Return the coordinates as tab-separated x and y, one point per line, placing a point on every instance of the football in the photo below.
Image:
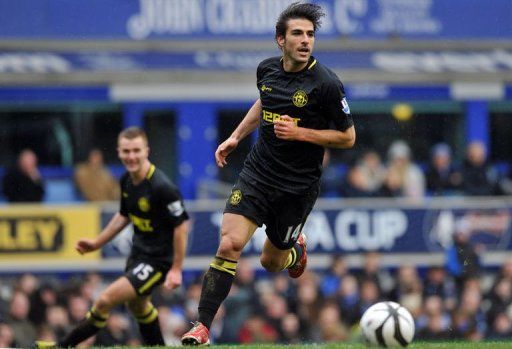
387	324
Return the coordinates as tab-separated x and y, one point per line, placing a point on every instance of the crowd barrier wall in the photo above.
41	238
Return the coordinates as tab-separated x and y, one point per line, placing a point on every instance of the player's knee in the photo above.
270	264
104	303
137	308
230	248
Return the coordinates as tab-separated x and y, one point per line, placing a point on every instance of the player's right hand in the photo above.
85	246
223	151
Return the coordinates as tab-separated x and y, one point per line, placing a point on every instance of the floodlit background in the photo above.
419	211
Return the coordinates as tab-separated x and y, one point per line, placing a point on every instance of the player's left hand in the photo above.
286	128
173	279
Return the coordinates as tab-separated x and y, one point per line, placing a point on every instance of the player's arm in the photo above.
285	128
116	224
174	276
249	123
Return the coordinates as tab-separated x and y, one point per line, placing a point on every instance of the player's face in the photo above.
298	42
133	153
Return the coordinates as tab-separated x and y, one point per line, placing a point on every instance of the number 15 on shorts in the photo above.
142	271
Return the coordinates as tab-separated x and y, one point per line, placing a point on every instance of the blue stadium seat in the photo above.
60	190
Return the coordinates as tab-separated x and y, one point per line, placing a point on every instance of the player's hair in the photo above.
133	132
311	12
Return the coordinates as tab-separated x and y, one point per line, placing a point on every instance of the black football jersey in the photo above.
155	208
315	98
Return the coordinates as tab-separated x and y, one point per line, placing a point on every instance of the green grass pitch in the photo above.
414	345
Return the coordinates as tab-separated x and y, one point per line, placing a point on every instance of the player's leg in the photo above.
285	246
274	259
144	276
236	230
147	318
119	292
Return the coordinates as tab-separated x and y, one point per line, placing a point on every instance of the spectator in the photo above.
94	180
434	331
40	300
348	300
330	326
77	308
373	271
366	178
370	294
308	301
57	319
470	322
442	177
353	185
291	330
24	330
501	328
372	171
23	183
505	271
433	307
479	178
408	289
404	178
436	283
462	260
500	298
284	287
115	333
7	336
256	330
275	309
331	281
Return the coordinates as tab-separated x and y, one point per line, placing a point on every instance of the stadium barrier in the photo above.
41	238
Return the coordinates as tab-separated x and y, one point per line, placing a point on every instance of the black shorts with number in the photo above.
145	274
283	213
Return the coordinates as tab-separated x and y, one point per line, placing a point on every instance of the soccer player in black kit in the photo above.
154	206
301	109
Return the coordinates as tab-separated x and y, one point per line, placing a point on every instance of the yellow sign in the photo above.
37	232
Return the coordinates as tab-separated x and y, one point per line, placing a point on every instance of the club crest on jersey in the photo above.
236	197
143	204
344	104
265	88
300	98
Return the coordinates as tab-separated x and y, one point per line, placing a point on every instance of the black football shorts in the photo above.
145	275
283	213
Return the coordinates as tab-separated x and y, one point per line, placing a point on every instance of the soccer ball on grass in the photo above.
387	324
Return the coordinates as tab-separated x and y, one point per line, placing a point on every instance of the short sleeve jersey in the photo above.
315	98
155	208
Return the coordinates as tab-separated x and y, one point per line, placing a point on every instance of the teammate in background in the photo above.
153	204
301	109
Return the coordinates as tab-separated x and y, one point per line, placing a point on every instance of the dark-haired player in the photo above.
301	109
154	206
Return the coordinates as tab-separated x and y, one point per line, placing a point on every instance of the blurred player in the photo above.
301	109
153	204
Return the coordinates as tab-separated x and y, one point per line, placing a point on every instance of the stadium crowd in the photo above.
451	301
321	306
372	174
401	176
